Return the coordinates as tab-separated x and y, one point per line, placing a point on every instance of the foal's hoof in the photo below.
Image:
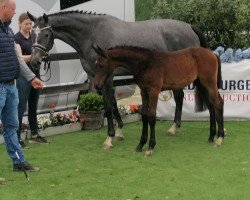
107	143
107	147
218	142
148	153
138	148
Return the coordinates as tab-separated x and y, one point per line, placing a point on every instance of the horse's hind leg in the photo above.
144	134
178	97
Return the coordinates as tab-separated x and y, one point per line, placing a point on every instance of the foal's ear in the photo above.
32	18
99	51
45	17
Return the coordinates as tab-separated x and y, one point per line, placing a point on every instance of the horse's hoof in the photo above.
148	153
138	149
218	142
169	134
119	137
210	140
172	130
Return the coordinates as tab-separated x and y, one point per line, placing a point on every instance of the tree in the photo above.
224	22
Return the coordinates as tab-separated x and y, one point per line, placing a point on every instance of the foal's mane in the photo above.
144	53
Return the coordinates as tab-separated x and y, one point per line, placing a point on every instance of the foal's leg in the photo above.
216	100
153	99
118	132
178	97
212	122
219	109
144	111
108	96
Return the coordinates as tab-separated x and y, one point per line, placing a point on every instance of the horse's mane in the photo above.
74	12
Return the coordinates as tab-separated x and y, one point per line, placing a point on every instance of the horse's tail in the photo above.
219	77
203	41
200	96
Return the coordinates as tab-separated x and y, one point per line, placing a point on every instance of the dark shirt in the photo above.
24	43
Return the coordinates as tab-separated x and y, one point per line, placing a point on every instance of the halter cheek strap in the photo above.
40	47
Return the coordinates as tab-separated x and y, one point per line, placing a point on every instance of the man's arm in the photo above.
27	73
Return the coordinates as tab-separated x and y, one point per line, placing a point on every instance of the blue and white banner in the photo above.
235	92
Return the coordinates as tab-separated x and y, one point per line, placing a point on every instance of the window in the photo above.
69	3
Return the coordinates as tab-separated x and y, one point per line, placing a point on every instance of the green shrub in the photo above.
90	102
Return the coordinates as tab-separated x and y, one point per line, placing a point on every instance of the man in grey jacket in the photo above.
11	64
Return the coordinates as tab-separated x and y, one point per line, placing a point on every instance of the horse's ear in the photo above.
45	17
32	18
99	51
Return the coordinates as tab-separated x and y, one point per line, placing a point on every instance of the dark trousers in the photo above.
27	94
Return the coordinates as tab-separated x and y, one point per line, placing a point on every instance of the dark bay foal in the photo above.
156	70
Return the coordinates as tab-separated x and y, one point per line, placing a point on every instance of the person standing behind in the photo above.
25	91
11	64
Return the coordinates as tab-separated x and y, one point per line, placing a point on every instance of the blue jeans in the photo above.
9	117
27	94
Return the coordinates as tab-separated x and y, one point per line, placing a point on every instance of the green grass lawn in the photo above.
74	166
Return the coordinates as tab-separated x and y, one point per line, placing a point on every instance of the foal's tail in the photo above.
201	93
200	96
219	77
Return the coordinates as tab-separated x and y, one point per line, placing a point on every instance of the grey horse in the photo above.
81	30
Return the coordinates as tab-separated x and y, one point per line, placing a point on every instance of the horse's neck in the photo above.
73	29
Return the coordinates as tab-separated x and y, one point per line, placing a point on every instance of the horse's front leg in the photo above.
153	99
108	96
178	97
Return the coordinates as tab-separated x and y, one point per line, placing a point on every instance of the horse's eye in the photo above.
46	35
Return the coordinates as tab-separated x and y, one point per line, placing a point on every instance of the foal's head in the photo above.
105	66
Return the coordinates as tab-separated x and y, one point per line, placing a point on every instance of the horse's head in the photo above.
42	39
104	67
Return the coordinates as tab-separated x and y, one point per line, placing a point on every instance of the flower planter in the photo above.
128	118
92	120
55	130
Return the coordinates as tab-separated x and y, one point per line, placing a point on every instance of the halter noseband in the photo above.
40	47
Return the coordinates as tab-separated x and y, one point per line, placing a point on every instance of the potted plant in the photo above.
90	107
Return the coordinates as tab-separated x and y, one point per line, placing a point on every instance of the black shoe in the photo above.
24	165
38	139
23	145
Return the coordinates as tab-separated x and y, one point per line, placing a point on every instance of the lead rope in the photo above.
47	69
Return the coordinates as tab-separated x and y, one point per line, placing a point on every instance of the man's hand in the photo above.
37	83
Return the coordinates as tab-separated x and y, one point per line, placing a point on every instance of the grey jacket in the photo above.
24	69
